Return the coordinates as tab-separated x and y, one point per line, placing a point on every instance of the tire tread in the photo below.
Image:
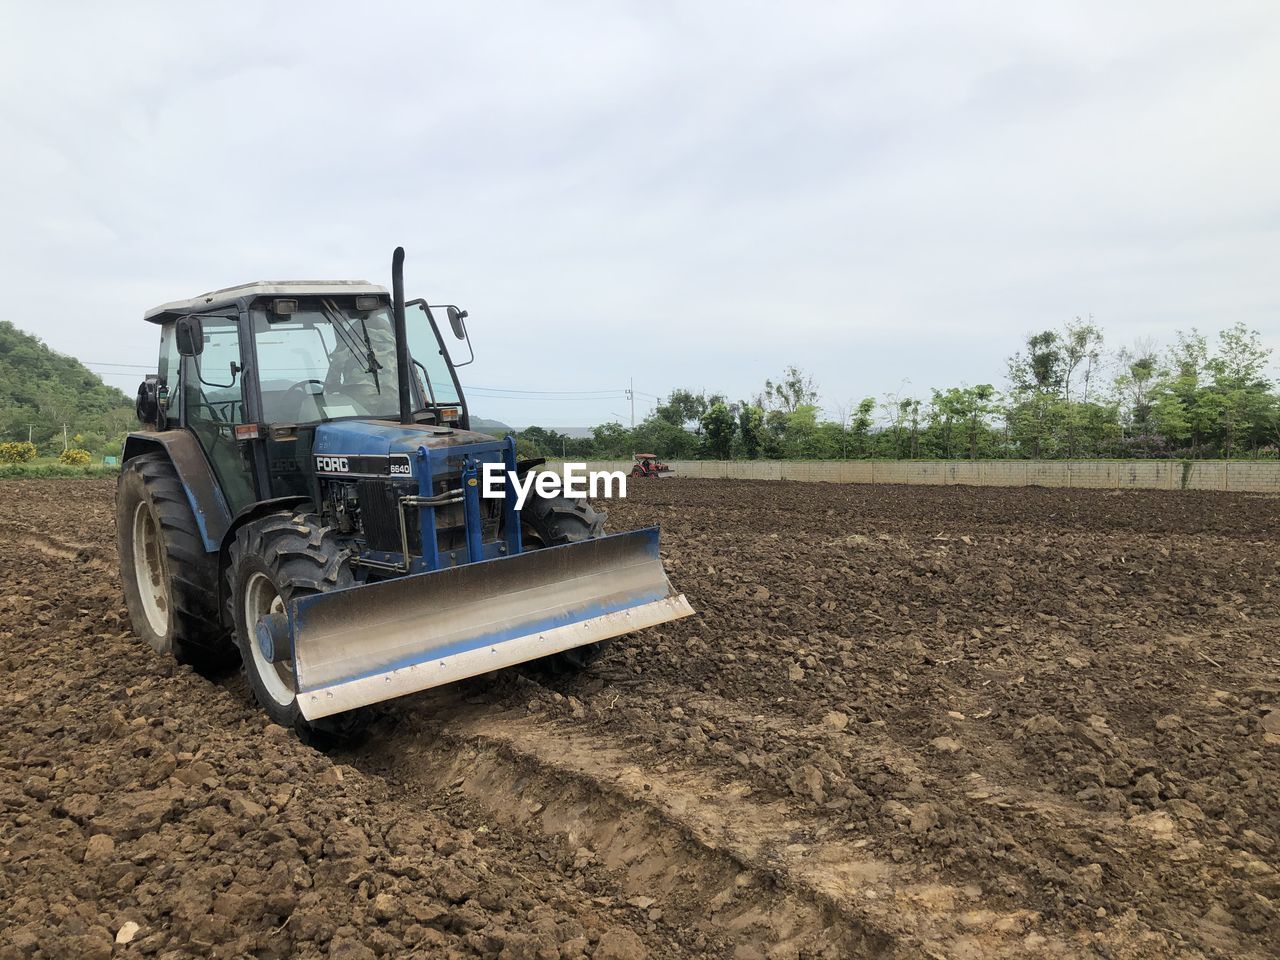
303	558
557	521
199	637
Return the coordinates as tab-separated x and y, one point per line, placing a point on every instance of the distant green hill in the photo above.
495	427
41	389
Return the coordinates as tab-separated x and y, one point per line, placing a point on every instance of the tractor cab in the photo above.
254	370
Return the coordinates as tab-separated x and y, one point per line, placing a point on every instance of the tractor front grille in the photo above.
380	513
380	516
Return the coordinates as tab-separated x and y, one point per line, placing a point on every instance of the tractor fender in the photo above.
524	466
213	516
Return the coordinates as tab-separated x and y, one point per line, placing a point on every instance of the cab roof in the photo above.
217	299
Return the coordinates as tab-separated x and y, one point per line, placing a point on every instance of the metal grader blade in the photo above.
382	640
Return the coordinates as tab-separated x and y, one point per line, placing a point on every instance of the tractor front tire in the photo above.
167	575
552	522
274	560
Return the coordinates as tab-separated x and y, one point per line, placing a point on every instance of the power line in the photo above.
517	390
511	396
113	369
614	392
544	396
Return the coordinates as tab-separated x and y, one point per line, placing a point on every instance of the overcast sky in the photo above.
690	194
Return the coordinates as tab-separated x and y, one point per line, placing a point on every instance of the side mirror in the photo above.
189	334
456	317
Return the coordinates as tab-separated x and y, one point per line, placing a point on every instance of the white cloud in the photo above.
709	191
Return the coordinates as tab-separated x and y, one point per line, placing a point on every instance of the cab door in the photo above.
213	404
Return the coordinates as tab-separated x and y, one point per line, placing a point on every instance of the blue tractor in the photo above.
308	494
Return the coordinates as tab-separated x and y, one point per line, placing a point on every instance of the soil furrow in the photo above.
759	871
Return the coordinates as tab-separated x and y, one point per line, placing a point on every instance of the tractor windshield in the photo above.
326	360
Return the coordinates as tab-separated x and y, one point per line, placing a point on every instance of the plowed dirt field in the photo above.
940	722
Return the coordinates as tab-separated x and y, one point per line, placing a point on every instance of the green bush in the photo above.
74	458
44	468
17	452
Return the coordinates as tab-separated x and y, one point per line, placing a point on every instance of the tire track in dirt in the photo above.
56	548
759	873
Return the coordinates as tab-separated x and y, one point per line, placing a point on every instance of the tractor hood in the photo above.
381	447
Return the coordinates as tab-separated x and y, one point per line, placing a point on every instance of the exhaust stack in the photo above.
402	339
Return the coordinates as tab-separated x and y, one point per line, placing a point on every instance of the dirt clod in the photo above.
99	848
620	944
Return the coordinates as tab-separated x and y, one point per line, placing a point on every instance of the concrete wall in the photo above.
1242	476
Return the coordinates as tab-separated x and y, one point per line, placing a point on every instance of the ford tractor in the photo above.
307	493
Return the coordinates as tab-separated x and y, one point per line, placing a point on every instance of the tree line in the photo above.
1066	396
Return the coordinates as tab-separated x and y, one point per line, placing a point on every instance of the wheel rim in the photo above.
148	570
260	599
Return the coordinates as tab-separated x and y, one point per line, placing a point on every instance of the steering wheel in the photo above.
302	383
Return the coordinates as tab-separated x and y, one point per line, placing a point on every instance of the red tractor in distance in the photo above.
648	465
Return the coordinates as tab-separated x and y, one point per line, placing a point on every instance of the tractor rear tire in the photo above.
274	560
168	577
551	522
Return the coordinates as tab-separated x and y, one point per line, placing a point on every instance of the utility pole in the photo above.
64	438
30	427
631	392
